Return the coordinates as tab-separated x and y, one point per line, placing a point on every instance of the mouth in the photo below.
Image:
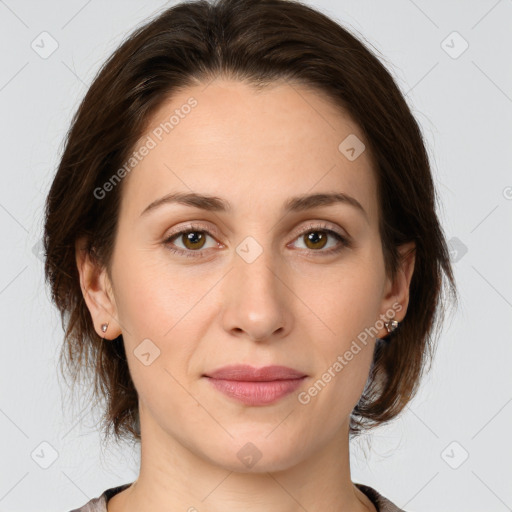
256	386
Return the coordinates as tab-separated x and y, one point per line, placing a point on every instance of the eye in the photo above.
193	239
316	238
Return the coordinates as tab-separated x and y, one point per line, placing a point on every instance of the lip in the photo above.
247	373
256	386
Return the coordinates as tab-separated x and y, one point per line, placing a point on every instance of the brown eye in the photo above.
190	242
193	240
316	239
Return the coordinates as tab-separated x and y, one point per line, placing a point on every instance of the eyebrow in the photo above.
217	204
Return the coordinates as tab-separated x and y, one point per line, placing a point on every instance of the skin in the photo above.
291	306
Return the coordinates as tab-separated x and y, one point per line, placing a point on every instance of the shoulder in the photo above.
99	504
382	504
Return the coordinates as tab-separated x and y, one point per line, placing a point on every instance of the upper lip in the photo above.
244	372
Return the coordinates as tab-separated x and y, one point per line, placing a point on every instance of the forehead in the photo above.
253	147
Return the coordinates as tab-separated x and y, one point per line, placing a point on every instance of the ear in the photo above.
97	291
396	292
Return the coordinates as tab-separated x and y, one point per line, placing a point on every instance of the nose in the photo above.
257	299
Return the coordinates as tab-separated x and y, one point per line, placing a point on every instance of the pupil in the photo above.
193	237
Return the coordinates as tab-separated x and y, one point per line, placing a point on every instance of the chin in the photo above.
256	453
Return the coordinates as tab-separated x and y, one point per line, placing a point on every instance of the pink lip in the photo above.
256	386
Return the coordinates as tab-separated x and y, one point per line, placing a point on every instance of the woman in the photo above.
242	240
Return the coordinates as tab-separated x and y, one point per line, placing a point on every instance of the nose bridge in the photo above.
255	268
256	302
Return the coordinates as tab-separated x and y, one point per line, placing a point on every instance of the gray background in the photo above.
463	101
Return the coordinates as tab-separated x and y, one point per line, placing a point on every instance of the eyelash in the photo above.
344	242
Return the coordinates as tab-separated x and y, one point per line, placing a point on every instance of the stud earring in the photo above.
391	326
104	328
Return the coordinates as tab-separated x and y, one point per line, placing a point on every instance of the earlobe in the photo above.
97	291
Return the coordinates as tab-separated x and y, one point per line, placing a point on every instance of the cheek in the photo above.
345	349
157	314
343	355
162	313
348	298
152	297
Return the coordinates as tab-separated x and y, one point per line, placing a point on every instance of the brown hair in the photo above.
256	41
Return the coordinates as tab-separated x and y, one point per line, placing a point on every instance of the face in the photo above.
254	277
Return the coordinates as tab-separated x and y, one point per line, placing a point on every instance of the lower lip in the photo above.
256	393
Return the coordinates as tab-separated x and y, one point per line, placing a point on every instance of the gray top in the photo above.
99	504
